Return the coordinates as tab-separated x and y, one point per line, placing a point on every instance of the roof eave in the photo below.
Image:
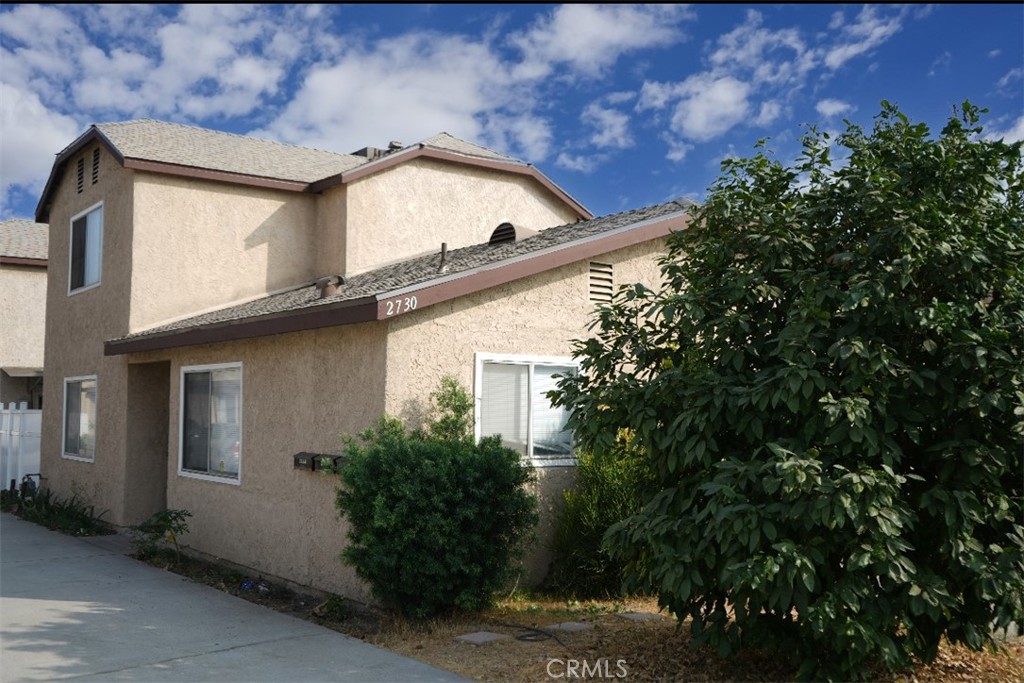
423	151
42	214
23	261
343	313
199	173
438	290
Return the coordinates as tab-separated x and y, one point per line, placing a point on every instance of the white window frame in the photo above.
64	419
71	248
194	474
530	361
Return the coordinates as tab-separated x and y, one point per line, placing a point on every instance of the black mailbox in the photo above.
305	461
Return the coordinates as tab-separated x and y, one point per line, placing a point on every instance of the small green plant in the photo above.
437	522
334	608
73	516
162	530
9	500
452	412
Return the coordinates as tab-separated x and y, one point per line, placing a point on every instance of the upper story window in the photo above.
511	400
86	249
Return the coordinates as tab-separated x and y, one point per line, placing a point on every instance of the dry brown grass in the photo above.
648	650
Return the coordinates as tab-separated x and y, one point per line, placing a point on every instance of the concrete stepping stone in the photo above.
570	626
641	616
481	637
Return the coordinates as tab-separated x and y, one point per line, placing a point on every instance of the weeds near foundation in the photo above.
162	530
72	516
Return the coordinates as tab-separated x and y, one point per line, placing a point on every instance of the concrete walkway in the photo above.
75	609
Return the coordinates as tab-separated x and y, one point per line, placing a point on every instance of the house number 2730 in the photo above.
401	305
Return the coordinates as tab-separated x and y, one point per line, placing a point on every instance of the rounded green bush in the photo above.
436	524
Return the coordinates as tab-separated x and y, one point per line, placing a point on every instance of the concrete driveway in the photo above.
72	608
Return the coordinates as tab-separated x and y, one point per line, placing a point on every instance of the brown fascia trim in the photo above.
375	307
23	261
344	313
210	174
443	155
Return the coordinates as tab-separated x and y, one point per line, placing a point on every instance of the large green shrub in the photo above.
840	470
436	524
609	488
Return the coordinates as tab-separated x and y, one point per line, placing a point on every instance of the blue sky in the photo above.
621	105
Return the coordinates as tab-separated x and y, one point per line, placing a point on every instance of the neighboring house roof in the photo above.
23	242
176	149
366	296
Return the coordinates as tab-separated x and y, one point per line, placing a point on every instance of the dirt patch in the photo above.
615	648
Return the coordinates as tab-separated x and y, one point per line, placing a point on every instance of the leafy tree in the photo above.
830	385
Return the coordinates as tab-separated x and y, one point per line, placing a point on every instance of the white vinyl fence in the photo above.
19	443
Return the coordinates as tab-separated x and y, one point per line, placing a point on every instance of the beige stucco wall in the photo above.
410	209
331	219
536	316
301	392
76	327
200	245
22	315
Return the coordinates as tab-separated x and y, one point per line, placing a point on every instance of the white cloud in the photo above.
868	32
1015	133
830	108
994	53
1010	76
768	114
770	57
710	106
29	128
611	126
523	135
677	149
941	63
590	38
407	88
581	163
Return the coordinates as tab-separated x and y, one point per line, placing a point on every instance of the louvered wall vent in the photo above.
95	165
601	286
81	174
506	232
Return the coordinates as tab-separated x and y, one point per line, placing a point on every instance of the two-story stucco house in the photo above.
22	311
218	304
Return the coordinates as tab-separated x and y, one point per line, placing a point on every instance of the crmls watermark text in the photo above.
582	669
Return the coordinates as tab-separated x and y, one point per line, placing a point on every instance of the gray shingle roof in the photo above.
174	143
449	142
20	238
422	269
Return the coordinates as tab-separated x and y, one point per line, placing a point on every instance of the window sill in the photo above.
86	288
187	474
568	461
77	458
